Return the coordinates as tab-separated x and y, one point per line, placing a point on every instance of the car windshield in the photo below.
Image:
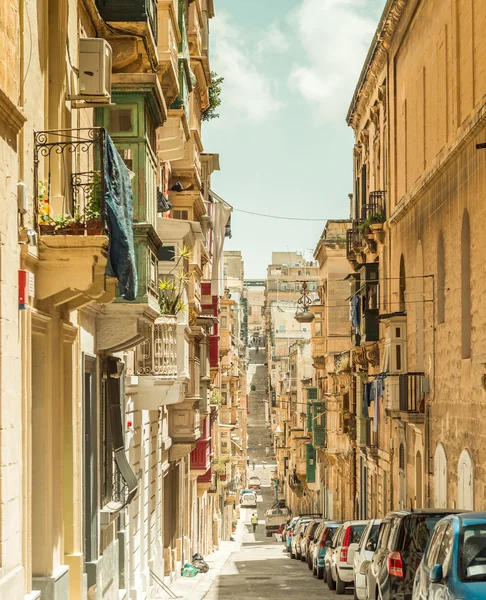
417	531
254	480
472	553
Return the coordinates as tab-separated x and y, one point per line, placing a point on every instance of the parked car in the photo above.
364	552
454	564
307	537
339	558
297	536
312	544
289	531
401	544
275	519
254	483
321	545
248	500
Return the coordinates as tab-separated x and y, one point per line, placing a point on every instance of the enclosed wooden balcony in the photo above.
169	39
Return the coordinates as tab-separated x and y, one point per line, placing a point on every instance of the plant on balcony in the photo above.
219	466
172	287
215	399
342	363
214	98
92	210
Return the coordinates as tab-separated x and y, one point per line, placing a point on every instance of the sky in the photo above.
290	68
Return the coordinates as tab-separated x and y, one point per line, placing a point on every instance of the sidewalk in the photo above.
196	588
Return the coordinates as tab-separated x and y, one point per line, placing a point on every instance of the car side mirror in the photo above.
364	567
436	574
328	543
370	545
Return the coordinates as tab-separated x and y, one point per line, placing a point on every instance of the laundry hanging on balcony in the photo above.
119	218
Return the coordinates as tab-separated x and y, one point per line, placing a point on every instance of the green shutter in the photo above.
319	424
309	417
310	463
311	394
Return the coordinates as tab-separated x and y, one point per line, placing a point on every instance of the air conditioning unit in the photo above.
94	72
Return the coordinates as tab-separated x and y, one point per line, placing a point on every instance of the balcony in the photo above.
75	171
201	455
152	379
169	38
134	34
405	395
184	428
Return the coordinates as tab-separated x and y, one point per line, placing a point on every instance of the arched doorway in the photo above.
402	487
418	481
440	477
465	481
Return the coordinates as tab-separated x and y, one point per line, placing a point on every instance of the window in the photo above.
440	279
281	328
297	287
121	120
401	457
182	215
402	287
283	287
445	550
434	547
224	322
312	287
166	253
466	285
472	553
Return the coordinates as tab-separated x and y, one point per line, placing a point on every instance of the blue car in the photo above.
454	562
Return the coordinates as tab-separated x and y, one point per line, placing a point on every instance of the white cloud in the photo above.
335	36
247	91
273	40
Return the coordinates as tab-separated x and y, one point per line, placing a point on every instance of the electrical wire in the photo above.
279	217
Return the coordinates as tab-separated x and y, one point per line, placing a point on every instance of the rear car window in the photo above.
356	533
416	531
472	553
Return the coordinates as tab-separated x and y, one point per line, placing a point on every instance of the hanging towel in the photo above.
376	415
366	402
379	387
373	390
355	313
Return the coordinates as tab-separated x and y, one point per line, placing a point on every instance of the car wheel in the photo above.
340	585
310	565
324	575
292	555
302	557
320	572
331	584
314	570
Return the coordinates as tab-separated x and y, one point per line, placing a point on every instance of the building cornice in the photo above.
375	59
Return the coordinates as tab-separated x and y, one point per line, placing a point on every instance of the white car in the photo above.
248	500
340	556
364	552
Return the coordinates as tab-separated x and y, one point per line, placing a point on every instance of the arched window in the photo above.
402	286
440	477
466	285
465	482
440	279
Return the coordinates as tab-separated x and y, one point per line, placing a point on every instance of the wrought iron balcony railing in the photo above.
69	183
157	356
376	206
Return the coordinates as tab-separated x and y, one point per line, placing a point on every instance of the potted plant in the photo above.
93	208
234	525
68	225
46	223
172	287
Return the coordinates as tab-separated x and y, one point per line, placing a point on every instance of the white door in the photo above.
440	477
465	482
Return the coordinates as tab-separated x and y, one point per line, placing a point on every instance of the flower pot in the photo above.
46	229
93	227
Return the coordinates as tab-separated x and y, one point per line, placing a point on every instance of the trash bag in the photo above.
200	564
189	571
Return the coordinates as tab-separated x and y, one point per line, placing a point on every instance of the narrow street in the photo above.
261	569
